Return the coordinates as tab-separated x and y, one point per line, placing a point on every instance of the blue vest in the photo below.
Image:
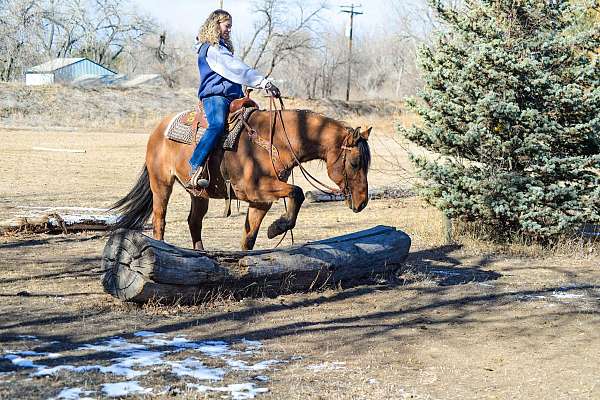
213	84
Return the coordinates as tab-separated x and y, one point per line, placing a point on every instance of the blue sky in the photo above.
186	16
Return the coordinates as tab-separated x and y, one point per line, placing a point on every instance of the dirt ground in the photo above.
468	320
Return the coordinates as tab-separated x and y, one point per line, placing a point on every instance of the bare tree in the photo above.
106	26
277	36
168	54
384	63
18	24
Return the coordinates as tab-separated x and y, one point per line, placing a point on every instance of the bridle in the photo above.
314	182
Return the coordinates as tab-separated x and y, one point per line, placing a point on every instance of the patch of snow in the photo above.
238	391
130	355
144	358
327	366
115	345
179	342
214	348
29	353
115	369
147	334
243	365
72	394
123	367
122	389
196	369
372	381
47	371
529	297
563	295
27	337
20	361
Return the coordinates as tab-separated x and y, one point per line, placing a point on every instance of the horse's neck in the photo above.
315	135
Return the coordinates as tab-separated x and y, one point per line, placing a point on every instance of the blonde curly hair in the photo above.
209	31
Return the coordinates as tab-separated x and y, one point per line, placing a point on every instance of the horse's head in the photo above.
349	168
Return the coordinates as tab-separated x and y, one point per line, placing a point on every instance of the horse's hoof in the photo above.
276	229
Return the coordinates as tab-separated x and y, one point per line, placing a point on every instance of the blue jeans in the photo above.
216	109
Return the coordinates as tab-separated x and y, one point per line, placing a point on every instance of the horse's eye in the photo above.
354	163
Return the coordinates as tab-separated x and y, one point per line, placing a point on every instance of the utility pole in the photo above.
352	13
221	2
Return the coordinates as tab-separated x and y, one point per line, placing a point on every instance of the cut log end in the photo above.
127	262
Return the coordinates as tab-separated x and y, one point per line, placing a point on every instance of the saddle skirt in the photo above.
187	127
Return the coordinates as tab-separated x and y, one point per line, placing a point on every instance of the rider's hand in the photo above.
272	90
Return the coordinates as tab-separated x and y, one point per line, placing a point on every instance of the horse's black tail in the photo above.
136	207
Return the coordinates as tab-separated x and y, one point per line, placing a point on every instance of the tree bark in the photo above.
138	268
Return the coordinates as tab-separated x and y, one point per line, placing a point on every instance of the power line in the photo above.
352	14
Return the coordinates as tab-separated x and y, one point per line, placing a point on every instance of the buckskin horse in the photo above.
257	175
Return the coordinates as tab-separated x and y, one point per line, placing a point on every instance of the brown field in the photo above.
469	320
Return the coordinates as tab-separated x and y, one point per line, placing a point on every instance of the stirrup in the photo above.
196	181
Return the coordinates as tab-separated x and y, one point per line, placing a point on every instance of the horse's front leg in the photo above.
254	217
295	198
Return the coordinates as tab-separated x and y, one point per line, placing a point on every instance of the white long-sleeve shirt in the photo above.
224	63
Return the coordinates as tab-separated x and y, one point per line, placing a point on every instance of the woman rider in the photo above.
221	78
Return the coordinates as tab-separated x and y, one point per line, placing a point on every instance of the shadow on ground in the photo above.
399	307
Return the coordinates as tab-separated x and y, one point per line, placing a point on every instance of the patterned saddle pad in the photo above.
180	129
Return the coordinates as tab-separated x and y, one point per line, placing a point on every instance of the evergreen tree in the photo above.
510	115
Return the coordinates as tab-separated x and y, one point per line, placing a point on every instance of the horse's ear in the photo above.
365	134
356	133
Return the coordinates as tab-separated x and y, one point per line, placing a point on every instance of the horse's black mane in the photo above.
365	154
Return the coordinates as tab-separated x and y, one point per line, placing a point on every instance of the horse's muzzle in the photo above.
360	207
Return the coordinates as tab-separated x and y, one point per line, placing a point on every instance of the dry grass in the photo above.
485	238
470	320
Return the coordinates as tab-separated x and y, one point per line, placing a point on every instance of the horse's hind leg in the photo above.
161	192
198	210
254	217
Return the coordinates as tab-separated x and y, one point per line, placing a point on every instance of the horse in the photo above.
296	136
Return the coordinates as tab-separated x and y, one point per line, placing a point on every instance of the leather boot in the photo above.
196	181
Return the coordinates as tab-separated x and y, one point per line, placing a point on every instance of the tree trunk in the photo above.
138	268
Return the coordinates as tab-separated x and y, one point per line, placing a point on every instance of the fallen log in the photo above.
374	194
138	268
57	223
